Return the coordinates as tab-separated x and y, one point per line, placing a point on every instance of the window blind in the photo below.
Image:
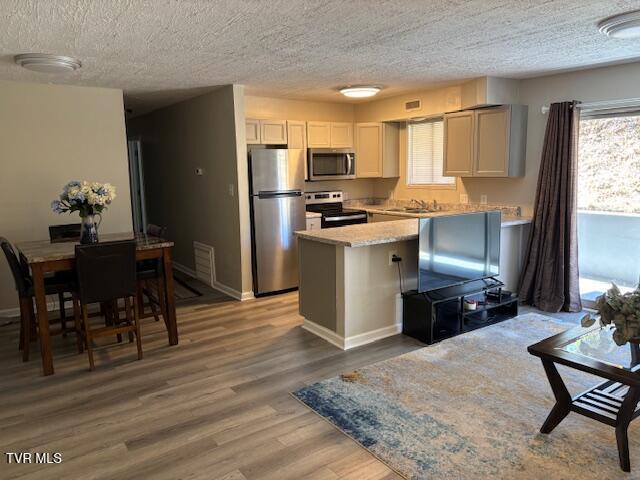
425	154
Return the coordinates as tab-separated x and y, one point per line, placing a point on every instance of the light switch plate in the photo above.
464	198
231	190
483	199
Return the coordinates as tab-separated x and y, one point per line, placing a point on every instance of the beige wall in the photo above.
435	102
243	188
199	133
284	109
600	84
50	134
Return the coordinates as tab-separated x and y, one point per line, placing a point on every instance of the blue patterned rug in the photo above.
470	408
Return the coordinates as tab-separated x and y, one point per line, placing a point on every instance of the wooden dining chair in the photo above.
148	272
107	272
64	233
24	286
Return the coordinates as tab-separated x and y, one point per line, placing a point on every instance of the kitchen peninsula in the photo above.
349	290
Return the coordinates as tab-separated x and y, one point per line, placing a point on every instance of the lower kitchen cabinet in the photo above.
314	223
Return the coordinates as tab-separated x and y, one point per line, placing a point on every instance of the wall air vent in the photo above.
205	263
412	105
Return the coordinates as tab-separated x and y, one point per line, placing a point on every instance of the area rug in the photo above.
471	408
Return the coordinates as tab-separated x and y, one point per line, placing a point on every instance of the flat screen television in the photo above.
455	249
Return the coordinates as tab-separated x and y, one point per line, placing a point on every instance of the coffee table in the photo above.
614	401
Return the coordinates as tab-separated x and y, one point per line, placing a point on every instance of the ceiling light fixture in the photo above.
359	91
47	63
624	25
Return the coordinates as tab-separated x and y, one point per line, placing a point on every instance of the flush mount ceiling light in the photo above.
359	91
624	25
46	63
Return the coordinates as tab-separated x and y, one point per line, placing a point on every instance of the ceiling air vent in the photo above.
412	105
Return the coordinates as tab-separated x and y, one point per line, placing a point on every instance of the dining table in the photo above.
46	256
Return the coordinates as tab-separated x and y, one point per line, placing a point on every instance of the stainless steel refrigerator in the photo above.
277	211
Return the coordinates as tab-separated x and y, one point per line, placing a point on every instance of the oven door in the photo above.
342	220
331	164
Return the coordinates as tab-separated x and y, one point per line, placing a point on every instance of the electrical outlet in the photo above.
231	190
464	198
391	254
483	199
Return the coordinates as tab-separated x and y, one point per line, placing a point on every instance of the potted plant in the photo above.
89	200
622	310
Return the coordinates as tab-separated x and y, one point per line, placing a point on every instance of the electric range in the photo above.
329	204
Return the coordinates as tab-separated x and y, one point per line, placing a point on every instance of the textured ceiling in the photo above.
161	51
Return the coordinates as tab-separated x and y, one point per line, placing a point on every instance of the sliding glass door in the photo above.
608	201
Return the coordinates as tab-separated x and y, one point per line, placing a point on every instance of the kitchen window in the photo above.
425	153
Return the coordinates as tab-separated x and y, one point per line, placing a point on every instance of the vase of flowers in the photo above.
89	199
622	310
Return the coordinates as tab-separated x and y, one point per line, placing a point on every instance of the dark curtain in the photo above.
550	275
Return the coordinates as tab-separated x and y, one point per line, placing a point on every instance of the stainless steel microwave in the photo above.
331	163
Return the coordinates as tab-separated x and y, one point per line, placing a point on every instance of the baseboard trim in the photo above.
15	311
184	269
372	336
355	340
52	306
332	337
216	285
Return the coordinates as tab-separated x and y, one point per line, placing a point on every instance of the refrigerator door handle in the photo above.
293	193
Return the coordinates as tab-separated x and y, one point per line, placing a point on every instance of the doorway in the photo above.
136	177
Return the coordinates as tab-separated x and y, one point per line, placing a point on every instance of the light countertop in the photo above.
364	234
313	215
507	220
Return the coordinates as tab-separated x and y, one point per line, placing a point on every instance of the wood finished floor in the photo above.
216	406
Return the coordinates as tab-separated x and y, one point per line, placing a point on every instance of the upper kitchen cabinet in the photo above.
488	142
341	135
500	141
377	146
319	134
266	132
273	132
296	134
252	130
458	144
329	134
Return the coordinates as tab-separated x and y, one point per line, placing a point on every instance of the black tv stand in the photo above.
437	314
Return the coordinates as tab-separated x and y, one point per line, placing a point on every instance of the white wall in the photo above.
50	134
